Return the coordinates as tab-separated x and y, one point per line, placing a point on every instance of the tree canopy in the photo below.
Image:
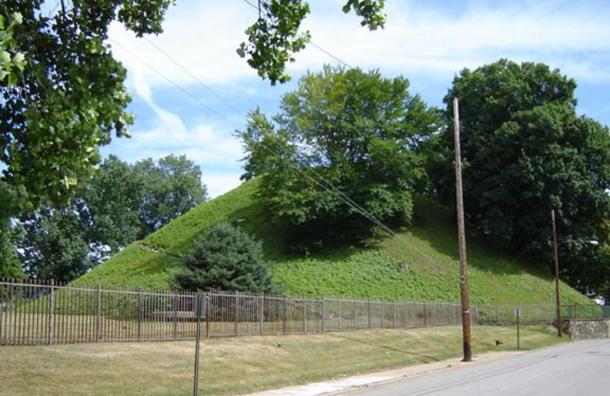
119	204
359	131
63	93
11	61
69	98
10	266
275	36
526	151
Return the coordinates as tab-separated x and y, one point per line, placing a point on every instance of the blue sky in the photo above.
426	41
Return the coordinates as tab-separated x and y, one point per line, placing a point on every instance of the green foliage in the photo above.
110	204
54	246
428	247
119	204
171	186
12	62
69	99
275	37
359	131
526	151
226	258
10	267
371	12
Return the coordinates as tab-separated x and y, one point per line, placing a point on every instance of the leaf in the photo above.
17	17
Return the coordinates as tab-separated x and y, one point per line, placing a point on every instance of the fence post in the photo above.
425	314
98	310
340	314
369	312
304	316
518	314
207	315
50	308
284	315
139	314
175	329
261	324
354	313
322	313
382	313
236	313
394	322
198	313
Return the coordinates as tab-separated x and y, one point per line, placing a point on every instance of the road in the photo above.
579	368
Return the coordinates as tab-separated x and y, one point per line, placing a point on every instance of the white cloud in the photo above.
204	35
214	148
418	39
220	182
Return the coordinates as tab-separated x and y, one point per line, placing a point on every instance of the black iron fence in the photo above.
35	312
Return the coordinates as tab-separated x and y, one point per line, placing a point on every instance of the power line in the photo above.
176	85
313	44
317	179
187	71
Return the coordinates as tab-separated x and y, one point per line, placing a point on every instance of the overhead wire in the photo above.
316	177
311	42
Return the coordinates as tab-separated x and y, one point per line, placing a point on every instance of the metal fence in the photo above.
586	312
35	312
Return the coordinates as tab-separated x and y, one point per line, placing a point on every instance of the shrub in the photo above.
226	258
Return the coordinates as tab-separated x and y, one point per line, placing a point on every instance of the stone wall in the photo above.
587	329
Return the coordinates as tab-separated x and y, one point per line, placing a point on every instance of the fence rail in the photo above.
34	312
586	312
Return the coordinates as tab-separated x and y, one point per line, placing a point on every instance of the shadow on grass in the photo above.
386	347
435	224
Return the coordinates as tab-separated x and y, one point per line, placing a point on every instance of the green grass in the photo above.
429	247
238	365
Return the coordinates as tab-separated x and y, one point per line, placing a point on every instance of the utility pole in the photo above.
461	236
556	256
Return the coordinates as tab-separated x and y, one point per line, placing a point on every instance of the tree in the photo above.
110	211
109	204
10	267
526	151
226	258
63	91
69	98
11	61
359	131
54	245
275	37
171	187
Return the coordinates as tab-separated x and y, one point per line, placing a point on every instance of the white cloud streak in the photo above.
204	35
418	40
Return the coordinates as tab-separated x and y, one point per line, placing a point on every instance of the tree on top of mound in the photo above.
355	129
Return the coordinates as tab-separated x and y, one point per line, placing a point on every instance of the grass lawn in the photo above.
238	365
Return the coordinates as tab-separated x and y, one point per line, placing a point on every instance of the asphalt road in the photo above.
581	368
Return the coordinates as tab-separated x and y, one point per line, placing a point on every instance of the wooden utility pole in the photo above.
461	235
556	257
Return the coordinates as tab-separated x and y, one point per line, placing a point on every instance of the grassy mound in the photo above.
420	263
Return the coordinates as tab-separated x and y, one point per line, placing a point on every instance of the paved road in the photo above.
581	368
